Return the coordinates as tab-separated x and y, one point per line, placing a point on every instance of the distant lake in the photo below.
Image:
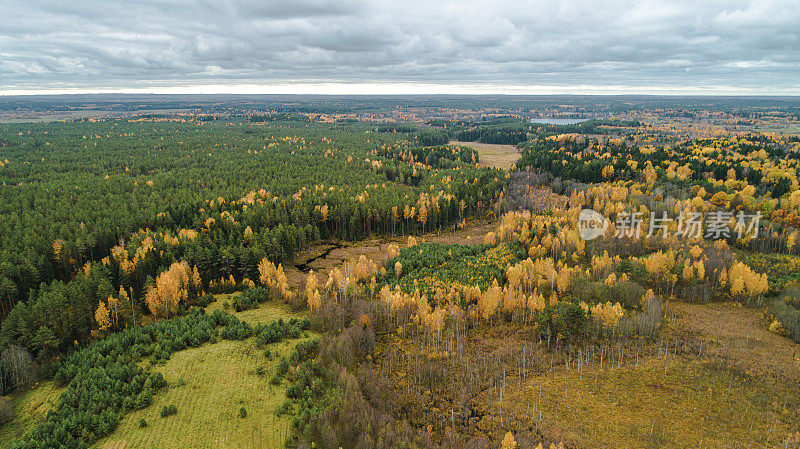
558	121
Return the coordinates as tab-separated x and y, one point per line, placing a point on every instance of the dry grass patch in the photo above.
739	335
687	405
493	155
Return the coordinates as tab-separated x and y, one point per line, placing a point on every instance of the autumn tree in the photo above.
171	287
101	317
508	442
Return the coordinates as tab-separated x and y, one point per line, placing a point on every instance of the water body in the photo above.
558	121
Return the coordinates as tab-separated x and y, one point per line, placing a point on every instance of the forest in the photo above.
99	210
128	243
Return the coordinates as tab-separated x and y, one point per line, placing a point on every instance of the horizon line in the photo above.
403	89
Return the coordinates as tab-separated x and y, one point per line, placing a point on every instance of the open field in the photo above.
739	335
676	403
265	313
31	405
493	155
209	385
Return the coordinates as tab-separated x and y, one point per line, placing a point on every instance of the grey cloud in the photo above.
101	44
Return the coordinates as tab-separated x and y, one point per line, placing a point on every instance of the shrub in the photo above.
283	367
250	298
205	300
168	410
142	423
303	351
242	412
283	409
236	330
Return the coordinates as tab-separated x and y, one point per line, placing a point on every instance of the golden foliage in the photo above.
172	287
608	314
508	442
101	316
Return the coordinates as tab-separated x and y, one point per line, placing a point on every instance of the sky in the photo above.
703	47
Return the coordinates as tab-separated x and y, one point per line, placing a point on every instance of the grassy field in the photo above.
209	385
30	407
265	314
493	155
687	405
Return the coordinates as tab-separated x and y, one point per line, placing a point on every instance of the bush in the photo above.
236	330
242	412
283	409
168	411
142	423
304	351
283	367
205	300
250	298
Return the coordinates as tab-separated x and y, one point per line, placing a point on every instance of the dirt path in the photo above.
740	335
493	155
323	257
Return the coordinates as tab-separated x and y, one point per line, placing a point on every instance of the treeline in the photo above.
512	133
440	156
591	126
580	161
280	116
506	134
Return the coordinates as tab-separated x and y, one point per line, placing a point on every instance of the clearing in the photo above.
209	385
492	155
740	336
676	403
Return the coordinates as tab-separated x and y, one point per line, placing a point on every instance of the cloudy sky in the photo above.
408	46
